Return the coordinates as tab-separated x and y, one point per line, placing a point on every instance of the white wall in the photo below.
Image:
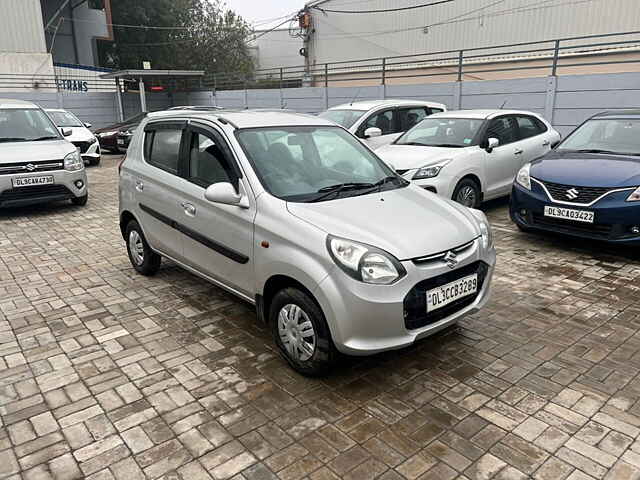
455	25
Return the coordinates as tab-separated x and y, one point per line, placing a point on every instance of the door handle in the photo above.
139	185
546	143
518	151
189	209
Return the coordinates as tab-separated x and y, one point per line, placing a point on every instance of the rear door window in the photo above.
162	148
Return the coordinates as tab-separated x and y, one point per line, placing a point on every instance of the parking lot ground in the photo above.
107	374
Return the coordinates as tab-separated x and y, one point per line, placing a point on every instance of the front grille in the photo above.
415	303
23	193
560	192
82	146
440	256
28	167
602	230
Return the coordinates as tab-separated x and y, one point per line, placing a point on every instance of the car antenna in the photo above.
355	96
503	104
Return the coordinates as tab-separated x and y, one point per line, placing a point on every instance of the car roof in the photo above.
619	114
369	104
54	110
481	114
250	118
13	103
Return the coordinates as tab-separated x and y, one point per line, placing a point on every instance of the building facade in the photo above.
273	49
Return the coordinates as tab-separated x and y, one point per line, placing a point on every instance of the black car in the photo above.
116	137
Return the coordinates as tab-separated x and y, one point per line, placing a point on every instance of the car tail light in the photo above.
120	164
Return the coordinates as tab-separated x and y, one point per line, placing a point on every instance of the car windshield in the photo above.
442	132
65	119
309	164
605	135
345	118
136	118
26	124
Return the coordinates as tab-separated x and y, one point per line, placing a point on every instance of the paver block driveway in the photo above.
107	374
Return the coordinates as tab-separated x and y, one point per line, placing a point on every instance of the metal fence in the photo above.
616	51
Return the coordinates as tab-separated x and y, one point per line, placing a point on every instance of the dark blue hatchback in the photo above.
588	186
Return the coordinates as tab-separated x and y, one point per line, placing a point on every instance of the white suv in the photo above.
37	164
293	214
380	122
470	155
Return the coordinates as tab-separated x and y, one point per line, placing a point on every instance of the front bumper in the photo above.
90	152
123	140
63	188
614	217
366	319
109	142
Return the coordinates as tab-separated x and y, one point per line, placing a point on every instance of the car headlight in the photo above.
635	196
73	162
365	263
523	178
486	235
430	171
93	140
129	132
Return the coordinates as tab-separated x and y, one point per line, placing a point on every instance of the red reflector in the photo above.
157	89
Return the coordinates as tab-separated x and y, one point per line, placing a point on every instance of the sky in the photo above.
258	10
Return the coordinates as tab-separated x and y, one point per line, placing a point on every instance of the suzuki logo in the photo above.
451	259
31	167
572	194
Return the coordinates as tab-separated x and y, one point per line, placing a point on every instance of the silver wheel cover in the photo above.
136	247
296	332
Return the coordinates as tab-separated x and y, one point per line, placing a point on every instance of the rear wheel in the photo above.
144	260
467	193
301	332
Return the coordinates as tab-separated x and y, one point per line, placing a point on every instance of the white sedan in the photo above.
470	155
81	136
380	122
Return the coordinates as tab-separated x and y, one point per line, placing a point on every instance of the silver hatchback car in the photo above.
293	214
37	164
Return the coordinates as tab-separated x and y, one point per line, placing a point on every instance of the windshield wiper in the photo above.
340	187
445	145
418	144
47	137
598	150
12	139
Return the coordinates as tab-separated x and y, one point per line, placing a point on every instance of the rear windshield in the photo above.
26	124
65	119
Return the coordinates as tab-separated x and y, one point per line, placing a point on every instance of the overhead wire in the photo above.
384	10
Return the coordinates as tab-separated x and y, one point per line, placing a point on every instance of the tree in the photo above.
207	36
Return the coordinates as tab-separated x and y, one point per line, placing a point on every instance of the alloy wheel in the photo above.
466	196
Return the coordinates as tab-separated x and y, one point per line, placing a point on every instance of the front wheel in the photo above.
301	332
144	260
467	193
80	201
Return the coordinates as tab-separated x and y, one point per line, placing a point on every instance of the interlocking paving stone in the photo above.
108	375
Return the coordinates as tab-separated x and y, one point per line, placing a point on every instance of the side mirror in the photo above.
88	125
489	144
66	132
372	132
223	192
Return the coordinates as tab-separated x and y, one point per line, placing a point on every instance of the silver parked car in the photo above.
293	214
380	122
37	164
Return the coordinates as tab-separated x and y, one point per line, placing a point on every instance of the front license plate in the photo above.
445	294
584	216
120	141
31	181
